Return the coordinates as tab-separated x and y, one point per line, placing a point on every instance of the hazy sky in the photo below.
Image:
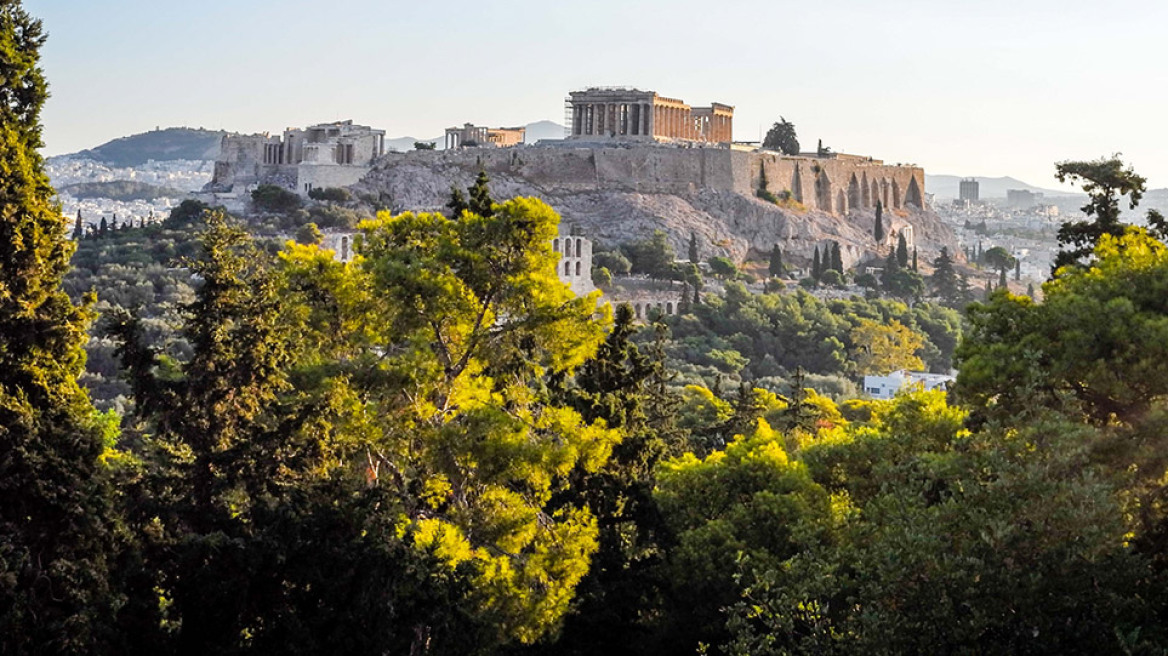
986	87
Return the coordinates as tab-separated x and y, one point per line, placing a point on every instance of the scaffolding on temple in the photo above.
569	117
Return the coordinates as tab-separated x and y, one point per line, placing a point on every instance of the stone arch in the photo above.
865	193
913	196
568	269
637	309
669	308
797	184
577	268
895	194
823	191
884	191
854	200
579	247
875	193
841	202
556	245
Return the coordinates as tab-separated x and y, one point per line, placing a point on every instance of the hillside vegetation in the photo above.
158	145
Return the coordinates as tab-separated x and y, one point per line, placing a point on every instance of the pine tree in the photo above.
964	291
878	231
457	203
944	279
480	202
55	544
902	251
776	264
694	256
816	266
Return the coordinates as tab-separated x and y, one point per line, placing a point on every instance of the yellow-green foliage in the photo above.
442	329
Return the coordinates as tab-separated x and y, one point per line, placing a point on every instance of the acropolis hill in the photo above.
636	161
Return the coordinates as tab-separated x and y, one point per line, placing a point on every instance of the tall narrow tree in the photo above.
54	536
837	260
694	257
816	265
902	251
480	201
78	228
878	230
775	268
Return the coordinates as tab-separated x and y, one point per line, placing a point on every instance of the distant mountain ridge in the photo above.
949	186
158	145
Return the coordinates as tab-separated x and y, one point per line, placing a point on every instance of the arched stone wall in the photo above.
822	191
854	200
841	202
865	193
913	196
896	194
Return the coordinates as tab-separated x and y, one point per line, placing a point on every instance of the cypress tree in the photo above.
1017	269
902	251
1030	290
837	260
1002	278
914	259
480	202
979	252
776	264
55	542
693	248
78	228
103	228
816	267
878	231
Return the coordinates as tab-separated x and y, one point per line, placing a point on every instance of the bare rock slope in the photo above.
726	222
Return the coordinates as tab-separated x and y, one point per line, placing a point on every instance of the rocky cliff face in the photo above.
726	221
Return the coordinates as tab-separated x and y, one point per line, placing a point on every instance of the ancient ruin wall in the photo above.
832	185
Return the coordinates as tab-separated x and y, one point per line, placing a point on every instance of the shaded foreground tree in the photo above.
1106	182
359	458
56	544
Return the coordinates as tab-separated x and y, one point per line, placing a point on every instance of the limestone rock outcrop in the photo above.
615	195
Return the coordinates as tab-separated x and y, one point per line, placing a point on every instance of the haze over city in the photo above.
990	88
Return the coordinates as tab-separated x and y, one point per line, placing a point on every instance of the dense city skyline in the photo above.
990	89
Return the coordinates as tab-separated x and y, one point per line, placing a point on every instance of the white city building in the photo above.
886	387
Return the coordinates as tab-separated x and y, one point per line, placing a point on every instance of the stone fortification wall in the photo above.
831	185
616	194
323	176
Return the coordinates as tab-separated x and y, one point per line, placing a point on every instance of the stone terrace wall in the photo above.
819	183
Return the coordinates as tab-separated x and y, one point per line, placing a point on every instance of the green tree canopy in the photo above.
56	545
782	137
1106	182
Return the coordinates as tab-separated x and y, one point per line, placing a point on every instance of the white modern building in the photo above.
886	387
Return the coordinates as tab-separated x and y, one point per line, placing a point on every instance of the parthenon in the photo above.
603	113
